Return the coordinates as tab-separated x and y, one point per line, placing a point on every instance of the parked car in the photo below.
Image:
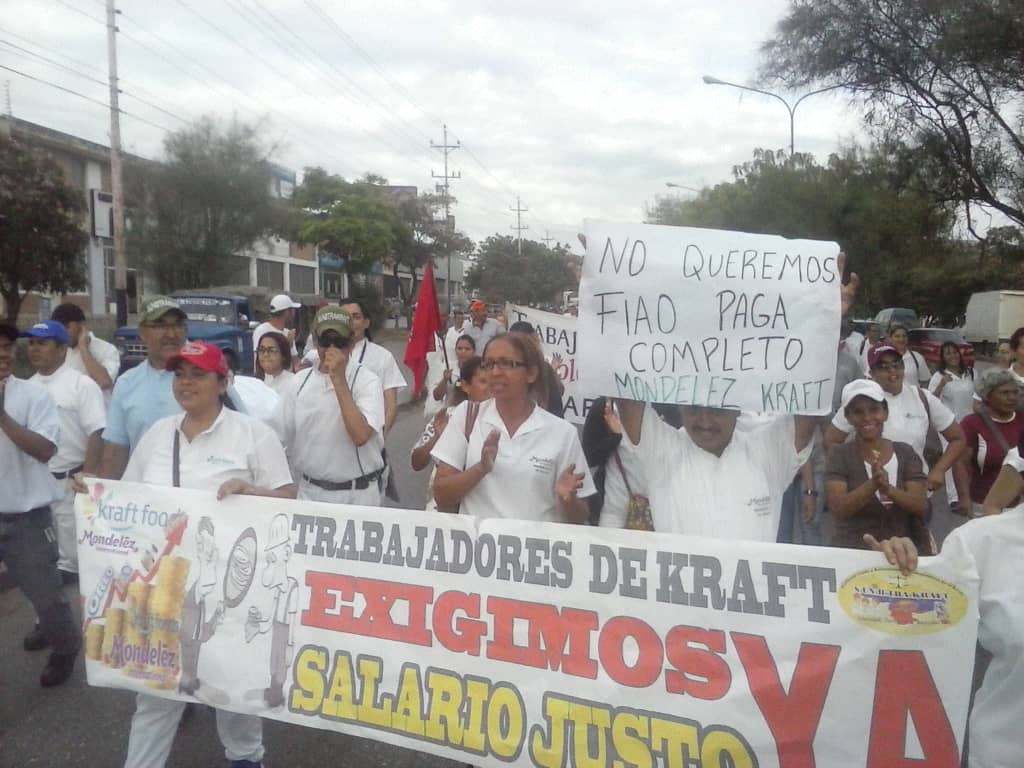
928	342
901	315
226	321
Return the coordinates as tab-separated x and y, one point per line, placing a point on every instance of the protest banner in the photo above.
709	317
558	336
503	642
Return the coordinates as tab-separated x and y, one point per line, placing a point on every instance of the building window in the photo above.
110	283
270	274
302	279
330	284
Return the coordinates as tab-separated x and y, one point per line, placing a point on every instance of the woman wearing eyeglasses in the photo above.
219	449
519	461
331	420
911	411
274	361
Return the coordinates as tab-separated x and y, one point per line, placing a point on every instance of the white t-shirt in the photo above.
28	483
104	353
426	437
737	495
995	546
957	395
908	420
521	486
308	421
279	382
917	370
235	446
482	334
380	361
81	411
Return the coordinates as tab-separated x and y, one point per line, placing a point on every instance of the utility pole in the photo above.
519	226
446	148
116	185
7	99
547	238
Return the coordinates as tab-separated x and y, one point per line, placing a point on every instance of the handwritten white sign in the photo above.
558	337
709	317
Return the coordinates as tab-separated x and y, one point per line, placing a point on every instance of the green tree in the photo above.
536	276
946	76
42	242
196	213
357	221
872	203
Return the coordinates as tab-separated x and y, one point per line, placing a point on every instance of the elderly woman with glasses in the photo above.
331	420
512	458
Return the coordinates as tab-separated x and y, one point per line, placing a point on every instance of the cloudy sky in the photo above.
583	109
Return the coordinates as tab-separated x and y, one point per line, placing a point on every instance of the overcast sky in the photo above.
583	109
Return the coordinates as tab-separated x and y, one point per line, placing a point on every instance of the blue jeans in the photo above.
792	520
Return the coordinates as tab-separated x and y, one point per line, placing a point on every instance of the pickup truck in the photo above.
226	321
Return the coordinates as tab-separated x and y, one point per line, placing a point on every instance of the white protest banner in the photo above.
497	642
558	335
709	317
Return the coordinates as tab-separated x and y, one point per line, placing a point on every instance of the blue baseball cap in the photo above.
49	329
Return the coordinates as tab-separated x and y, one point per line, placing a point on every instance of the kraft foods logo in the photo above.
122	517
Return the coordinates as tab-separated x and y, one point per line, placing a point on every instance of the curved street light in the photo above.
673	185
791	108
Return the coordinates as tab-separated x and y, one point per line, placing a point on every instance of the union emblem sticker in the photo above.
885	600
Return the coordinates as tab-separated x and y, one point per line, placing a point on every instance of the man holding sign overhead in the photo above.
714	322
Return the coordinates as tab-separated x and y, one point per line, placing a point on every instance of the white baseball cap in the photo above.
281	302
862	388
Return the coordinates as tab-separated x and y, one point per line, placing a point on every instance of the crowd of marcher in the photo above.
497	446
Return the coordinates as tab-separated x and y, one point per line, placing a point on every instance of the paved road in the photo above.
77	725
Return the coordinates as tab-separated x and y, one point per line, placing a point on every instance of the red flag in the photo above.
425	325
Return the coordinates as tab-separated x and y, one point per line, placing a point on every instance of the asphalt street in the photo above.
78	725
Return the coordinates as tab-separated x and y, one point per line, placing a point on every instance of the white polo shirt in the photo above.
28	483
104	353
380	361
81	411
235	446
995	546
521	486
308	421
908	421
737	495
280	382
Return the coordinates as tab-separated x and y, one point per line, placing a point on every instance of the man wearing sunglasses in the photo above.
143	395
330	419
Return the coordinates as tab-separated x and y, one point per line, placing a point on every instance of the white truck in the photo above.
993	316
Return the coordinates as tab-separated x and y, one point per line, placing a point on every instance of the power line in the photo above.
83	96
79	11
91	79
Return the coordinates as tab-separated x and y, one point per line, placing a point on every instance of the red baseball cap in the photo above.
880	349
478	305
202	355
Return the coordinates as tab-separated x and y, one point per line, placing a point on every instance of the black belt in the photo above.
360	483
69	473
36	512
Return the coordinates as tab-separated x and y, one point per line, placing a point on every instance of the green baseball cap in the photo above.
332	318
155	307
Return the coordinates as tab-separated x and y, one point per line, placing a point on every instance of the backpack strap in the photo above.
924	402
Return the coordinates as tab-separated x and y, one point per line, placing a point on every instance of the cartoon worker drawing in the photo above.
202	612
281	622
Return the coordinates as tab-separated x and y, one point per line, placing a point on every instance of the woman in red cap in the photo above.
214	447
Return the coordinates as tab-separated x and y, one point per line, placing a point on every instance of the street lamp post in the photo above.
673	185
791	108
